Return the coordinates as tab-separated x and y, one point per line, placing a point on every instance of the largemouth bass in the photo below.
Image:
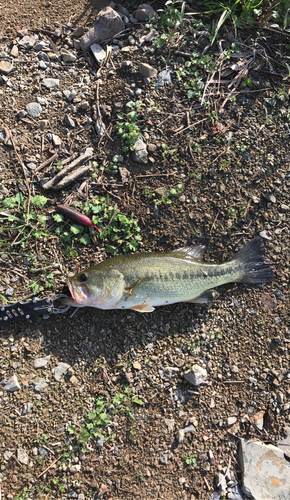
142	281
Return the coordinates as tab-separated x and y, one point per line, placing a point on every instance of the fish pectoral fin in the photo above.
132	288
143	308
205	298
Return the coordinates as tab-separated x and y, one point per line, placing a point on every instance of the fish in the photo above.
142	281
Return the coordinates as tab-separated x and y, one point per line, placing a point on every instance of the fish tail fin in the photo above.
252	256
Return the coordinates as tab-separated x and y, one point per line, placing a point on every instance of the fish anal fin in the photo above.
196	252
143	308
205	298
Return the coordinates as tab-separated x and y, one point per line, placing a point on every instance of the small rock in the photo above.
6	67
7	455
98	53
69	121
140	152
231	421
41	362
42	65
14	51
43	44
84	106
163	458
12	385
170	422
147	71
22	456
125	174
42	451
164	78
27	407
265	235
60	370
257	419
196	376
39	384
9	292
58	32
27	42
34	109
75	468
126	65
180	435
211	457
67	56
144	11
50	83
100	442
152	148
107	25
56	140
137	365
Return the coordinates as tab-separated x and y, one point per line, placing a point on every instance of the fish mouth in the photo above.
77	293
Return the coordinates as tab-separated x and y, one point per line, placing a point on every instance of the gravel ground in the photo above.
97	404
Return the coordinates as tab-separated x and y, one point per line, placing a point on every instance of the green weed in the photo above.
127	127
118	230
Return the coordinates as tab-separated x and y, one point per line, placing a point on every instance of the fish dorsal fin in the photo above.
196	252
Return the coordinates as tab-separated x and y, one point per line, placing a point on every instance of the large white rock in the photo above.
265	472
196	375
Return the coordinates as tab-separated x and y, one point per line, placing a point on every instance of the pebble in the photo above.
60	370
12	385
34	109
265	235
41	362
39	384
98	53
50	83
67	56
7	455
147	71
231	421
69	121
163	458
42	65
170	422
6	67
196	376
75	468
140	152
27	407
100	441
42	452
164	78
27	42
9	291
14	51
22	456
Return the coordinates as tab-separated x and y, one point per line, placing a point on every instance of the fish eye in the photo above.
83	277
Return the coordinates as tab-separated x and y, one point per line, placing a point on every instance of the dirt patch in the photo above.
109	423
